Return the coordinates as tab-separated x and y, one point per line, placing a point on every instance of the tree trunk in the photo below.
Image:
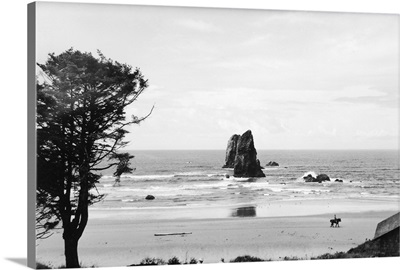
71	253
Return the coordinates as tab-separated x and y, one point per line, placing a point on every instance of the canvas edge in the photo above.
31	119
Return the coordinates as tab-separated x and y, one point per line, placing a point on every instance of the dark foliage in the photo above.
337	255
123	164
247	258
193	261
152	261
294	258
174	260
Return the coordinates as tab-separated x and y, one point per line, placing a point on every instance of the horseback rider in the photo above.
335	221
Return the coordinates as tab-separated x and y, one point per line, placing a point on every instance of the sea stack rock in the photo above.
231	151
246	162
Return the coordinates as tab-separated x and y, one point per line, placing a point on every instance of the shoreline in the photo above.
276	208
116	237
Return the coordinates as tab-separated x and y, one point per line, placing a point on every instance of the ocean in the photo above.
195	178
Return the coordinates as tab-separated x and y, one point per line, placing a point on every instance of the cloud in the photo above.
384	98
250	63
198	25
256	40
376	134
378	101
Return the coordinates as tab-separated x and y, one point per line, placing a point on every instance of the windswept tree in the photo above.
81	122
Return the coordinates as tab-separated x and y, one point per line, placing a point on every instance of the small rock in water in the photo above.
226	175
150	197
309	178
323	177
339	180
272	164
320	178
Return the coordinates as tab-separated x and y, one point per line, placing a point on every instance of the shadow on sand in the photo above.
20	261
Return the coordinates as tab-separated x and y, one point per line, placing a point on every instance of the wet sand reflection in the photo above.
248	211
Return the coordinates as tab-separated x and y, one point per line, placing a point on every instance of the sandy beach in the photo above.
301	228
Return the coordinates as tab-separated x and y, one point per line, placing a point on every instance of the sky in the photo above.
298	80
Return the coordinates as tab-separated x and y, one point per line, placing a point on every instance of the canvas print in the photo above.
173	135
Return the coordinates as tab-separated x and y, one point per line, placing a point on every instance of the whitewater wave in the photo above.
156	176
190	174
198	174
140	177
241	179
274	168
175	176
256	186
273	189
312	173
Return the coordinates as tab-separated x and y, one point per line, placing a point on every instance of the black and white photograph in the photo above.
178	135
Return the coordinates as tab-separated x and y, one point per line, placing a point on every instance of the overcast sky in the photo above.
298	80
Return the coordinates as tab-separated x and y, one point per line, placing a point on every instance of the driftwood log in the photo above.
166	234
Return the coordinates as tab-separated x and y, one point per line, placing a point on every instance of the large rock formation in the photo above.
246	162
231	151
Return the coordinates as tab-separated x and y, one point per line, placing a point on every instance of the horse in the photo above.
335	221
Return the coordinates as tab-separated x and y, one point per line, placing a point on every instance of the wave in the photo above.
174	177
131	200
312	173
216	175
274	168
221	184
256	185
199	166
198	174
156	176
242	179
107	177
191	174
273	189
307	191
141	177
107	185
